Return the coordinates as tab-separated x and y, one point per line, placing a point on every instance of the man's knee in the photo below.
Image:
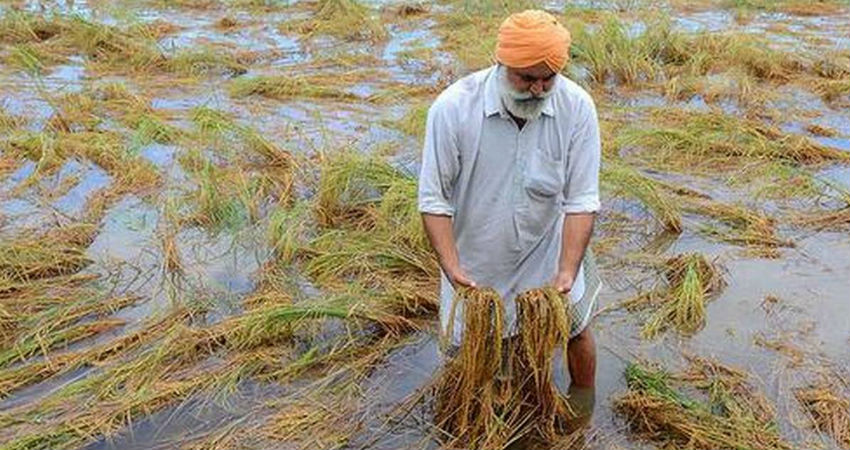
585	337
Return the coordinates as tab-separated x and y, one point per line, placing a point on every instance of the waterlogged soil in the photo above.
808	282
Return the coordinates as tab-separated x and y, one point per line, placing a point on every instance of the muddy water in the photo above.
810	281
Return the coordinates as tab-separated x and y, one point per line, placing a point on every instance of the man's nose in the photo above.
536	87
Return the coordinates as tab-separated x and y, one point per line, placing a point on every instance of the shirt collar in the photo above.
493	102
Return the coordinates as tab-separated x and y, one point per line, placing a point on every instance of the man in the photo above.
508	189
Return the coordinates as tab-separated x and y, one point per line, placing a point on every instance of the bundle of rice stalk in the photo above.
32	258
543	325
13	378
493	392
829	412
468	394
691	282
659	412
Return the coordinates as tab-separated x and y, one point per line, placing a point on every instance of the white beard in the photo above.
523	105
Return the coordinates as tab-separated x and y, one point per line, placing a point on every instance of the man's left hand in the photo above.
563	282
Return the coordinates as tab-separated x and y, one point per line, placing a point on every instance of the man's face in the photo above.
525	90
535	80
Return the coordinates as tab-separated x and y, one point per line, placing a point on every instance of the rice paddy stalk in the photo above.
739	225
714	140
27	259
255	153
17	377
57	324
32	58
169	227
39	147
19	27
543	324
217	208
690	281
494	391
467	392
287	231
650	193
328	417
42	344
659	411
828	411
344	19
824	219
109	151
795	7
109	48
351	184
204	61
288	87
10	122
338	255
167	371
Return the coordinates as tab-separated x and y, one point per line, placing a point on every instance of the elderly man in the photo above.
509	183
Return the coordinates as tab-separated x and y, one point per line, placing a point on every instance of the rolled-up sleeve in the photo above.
581	190
440	162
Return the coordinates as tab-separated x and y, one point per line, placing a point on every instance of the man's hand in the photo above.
577	230
458	278
563	282
439	232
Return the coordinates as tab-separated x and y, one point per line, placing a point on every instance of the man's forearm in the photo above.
577	231
439	231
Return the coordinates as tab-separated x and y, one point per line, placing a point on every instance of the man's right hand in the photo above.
458	278
439	231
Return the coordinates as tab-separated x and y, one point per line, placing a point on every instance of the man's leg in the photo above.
582	359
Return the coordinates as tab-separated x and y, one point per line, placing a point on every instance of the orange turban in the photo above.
532	37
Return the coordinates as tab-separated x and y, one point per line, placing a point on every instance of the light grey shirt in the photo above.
507	189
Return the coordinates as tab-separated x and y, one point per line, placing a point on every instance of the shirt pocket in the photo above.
544	175
542	192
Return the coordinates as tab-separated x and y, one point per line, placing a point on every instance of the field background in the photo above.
209	236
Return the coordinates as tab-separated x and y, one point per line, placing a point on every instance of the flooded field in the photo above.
209	236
